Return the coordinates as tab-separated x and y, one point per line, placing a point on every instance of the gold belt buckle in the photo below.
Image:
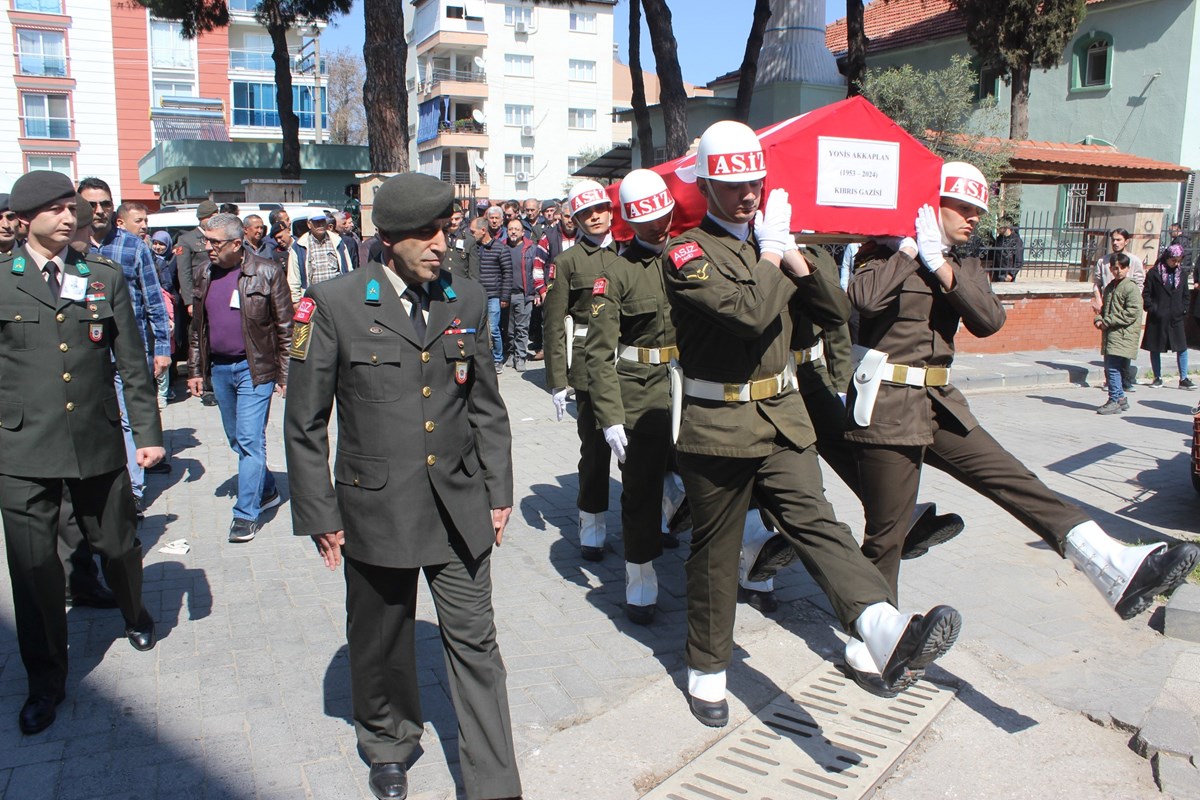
900	373
669	352
763	389
733	392
937	376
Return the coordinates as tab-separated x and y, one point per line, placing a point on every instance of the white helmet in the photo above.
644	196
963	181
586	194
730	151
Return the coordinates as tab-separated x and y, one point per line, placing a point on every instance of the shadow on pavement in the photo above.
1076	373
1058	401
1006	719
1170	408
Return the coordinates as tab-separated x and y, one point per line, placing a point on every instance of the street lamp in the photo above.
313	31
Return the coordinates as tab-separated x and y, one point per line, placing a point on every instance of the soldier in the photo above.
67	323
8	226
744	430
190	255
631	319
567	310
423	481
462	254
906	411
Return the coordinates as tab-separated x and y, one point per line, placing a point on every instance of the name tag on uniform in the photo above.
235	300
74	287
460	244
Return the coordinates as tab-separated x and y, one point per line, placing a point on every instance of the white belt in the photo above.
811	354
916	376
649	355
580	331
763	389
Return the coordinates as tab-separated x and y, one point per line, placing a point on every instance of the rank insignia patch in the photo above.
596	309
304	310
685	253
301	339
600	286
700	274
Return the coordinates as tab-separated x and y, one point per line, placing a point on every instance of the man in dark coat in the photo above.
1165	297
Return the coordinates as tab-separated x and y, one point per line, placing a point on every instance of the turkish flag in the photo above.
847	167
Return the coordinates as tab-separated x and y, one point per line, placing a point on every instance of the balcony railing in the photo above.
260	61
247	6
462	126
460	75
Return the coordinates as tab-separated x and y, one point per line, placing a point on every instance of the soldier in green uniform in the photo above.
66	322
629	343
567	312
744	430
422	482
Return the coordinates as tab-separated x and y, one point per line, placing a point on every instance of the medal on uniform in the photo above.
96	332
460	372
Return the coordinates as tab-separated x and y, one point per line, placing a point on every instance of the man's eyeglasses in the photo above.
105	204
215	244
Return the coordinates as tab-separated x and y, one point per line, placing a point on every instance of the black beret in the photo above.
410	202
39	188
206	209
4	202
279	228
83	212
549	204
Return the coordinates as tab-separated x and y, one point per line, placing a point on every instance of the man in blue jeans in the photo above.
495	273
240	335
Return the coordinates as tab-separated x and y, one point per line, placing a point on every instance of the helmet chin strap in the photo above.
725	215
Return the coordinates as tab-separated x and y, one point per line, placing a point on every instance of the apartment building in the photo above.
511	97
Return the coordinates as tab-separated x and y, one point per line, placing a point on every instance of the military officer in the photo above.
566	313
422	480
629	343
462	254
904	409
64	318
744	430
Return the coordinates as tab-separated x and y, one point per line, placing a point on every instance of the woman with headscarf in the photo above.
1165	297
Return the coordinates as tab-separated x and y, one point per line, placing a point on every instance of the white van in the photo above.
177	219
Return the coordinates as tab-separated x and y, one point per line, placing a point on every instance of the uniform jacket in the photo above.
1122	317
266	307
421	424
823	319
1166	310
190	257
730	310
569	280
462	256
58	407
297	270
905	313
632	309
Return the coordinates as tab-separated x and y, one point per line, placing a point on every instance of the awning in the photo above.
1053	163
614	164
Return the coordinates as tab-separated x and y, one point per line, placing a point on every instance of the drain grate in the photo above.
824	738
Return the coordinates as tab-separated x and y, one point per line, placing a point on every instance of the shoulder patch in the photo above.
685	253
304	310
178	249
600	286
301	338
550	273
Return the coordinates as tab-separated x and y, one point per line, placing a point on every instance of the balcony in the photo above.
460	133
260	61
459	83
457	39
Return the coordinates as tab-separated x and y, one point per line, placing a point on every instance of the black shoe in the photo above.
1111	407
1186	383
776	554
639	615
95	596
926	639
591	553
38	713
714	715
873	683
242	530
270	500
161	468
763	602
1156	383
1161	573
670	541
930	530
142	636
1124	404
208	399
389	781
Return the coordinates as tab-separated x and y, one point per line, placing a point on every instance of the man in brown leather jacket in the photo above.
240	336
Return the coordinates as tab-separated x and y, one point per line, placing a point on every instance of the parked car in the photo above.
176	219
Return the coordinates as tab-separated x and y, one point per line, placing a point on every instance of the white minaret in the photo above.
794	46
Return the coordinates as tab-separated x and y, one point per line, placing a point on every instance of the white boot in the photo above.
902	645
706	686
592	529
641	584
1108	563
880	627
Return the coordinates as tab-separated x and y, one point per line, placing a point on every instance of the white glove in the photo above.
773	226
560	402
615	436
929	238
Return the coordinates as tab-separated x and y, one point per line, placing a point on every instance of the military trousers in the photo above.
891	475
78	560
594	457
381	631
30	508
646	458
787	485
828	415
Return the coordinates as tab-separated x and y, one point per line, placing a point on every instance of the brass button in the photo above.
356	481
374	358
429	426
70	406
61	318
63	346
431	459
16	317
462	352
67	377
94	316
1	423
426	391
425	358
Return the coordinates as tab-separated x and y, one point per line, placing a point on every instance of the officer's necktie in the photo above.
52	279
416	312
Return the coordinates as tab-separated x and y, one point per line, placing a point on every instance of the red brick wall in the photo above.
1038	322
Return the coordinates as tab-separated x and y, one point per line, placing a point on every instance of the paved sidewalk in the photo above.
247	694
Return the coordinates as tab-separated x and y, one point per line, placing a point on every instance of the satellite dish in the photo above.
480	164
479	61
477	115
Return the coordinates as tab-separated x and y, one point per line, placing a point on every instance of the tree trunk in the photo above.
641	117
289	123
385	94
1018	127
856	48
754	42
671	96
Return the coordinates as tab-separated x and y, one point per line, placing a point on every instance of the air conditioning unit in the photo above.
522	27
527	130
522	177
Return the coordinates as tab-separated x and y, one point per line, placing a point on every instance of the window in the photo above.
515	162
989	84
583	23
39	6
518	66
248	6
514	15
42	53
1091	63
54	163
582	70
574	164
581	119
1073	200
46	116
172	89
168	48
454	12
518	115
254	105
